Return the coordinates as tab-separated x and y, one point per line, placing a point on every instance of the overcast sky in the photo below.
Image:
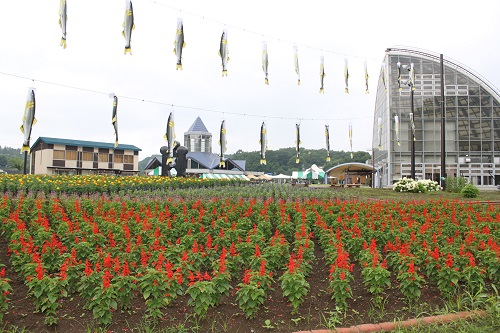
94	60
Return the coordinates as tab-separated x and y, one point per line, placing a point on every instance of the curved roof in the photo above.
450	62
353	167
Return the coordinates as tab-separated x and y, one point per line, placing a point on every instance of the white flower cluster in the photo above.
409	185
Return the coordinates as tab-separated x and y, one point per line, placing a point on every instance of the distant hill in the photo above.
11	159
283	159
142	163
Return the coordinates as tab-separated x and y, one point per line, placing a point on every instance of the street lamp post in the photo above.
410	83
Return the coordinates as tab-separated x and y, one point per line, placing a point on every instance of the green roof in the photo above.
81	143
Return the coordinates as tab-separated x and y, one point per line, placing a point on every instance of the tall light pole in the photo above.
443	121
410	83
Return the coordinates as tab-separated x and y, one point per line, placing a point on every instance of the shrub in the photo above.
470	191
455	184
416	186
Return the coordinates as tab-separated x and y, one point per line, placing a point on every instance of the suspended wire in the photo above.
171	104
262	34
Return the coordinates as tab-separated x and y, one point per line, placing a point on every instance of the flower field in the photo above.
209	246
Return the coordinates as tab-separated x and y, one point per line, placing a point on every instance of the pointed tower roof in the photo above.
198	127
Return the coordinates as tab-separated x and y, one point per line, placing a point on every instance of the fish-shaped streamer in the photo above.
265	61
296	62
179	43
396	128
382	75
366	78
346	76
400	81
263	143
411	80
412	127
321	74
114	116
222	143
379	133
63	17
128	25
297	143
224	52
170	137
28	119
327	136
350	136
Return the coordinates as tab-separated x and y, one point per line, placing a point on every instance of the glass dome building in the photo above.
472	120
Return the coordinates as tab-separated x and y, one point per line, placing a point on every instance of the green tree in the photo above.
3	160
16	163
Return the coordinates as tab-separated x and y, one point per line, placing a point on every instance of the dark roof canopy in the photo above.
351	168
81	143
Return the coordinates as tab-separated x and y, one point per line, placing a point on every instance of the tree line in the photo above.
283	159
11	159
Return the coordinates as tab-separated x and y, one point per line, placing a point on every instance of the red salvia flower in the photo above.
126	270
106	279
88	267
39	271
262	268
62	272
449	260
257	251
411	267
107	261
247	276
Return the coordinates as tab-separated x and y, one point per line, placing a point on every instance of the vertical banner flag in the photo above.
114	116
28	119
327	136
296	62
396	128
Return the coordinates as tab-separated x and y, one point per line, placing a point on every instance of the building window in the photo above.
87	156
59	154
103	157
71	155
128	159
118	158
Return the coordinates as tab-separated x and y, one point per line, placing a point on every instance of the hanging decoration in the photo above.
412	127
296	62
327	136
346	76
179	43
263	143
297	143
382	75
170	137
350	136
379	133
321	74
224	52
396	128
28	119
222	143
128	25
400	87
411	81
114	116
366	78
62	21
265	61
